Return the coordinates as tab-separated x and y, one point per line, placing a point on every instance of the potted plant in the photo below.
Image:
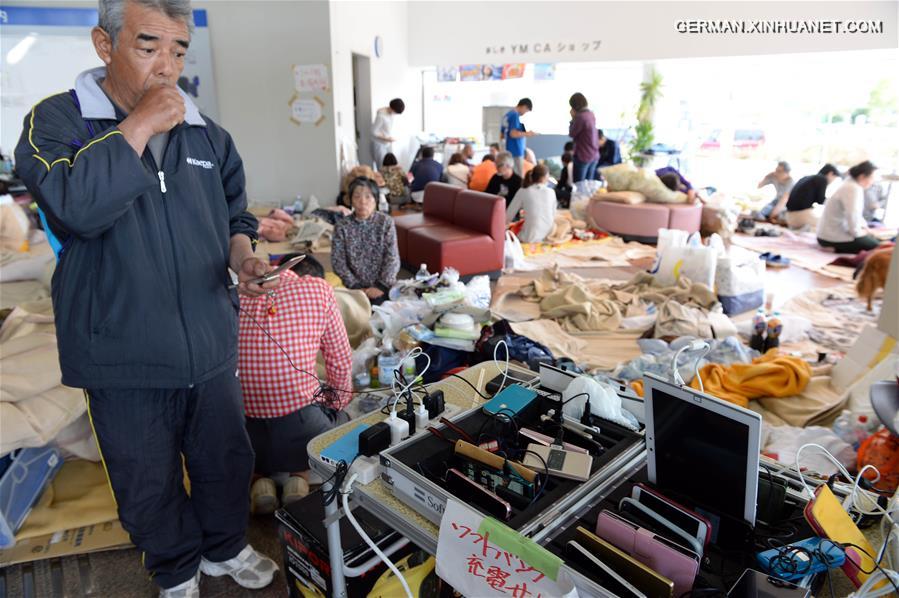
650	92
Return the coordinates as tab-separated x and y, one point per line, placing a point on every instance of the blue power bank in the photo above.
815	555
345	448
512	400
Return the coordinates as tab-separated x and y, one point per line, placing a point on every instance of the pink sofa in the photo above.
642	222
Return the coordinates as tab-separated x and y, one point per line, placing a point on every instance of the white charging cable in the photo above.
345	495
411	355
856	491
866	590
496	363
697	345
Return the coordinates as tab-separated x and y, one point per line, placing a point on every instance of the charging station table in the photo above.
377	498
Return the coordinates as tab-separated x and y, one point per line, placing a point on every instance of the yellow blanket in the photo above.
771	375
79	495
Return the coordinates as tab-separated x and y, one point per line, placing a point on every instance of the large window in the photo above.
456	108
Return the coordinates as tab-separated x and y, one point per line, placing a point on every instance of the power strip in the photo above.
366	469
449	411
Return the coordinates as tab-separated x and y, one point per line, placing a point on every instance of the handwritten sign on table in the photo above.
479	556
310	77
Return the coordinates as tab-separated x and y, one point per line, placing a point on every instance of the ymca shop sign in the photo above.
545	47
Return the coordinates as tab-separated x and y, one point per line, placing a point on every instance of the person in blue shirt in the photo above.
514	133
426	170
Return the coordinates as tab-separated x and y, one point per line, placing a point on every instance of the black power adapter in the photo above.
435	404
374	439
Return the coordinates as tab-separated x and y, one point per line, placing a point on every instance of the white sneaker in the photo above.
249	569
263	497
188	589
294	489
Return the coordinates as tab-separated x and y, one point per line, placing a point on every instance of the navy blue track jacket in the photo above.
140	291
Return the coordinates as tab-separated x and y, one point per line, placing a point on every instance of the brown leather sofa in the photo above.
458	228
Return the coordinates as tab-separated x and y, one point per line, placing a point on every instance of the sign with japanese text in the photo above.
555	48
310	77
479	556
306	111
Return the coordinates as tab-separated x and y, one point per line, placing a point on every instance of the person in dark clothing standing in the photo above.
582	130
806	193
505	182
145	204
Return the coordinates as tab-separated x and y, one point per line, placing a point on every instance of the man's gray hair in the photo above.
504	159
112	13
784	165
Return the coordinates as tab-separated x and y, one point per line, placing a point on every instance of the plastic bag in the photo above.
477	292
363	355
670	237
514	254
696	263
604	402
740	281
882	451
389	318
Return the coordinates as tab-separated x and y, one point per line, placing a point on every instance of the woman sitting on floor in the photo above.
457	171
364	252
538	203
842	224
396	180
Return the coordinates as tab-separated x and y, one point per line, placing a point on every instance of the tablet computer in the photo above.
703	448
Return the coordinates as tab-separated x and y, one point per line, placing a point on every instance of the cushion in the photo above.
409	221
626	177
440	200
628	197
481	212
467	252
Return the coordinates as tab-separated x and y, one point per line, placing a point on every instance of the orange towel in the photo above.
771	375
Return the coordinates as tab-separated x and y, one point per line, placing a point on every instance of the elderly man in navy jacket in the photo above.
144	201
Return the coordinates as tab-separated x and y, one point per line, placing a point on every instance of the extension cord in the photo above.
366	469
449	412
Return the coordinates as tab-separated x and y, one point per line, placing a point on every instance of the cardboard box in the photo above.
304	544
82	540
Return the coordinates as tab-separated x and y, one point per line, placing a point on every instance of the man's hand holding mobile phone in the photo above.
251	278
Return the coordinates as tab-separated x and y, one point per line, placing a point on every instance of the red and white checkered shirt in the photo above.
306	319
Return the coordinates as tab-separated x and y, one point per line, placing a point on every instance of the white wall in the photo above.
255	43
450	32
354	26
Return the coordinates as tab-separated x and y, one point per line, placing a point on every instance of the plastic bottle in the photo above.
387	364
759	326
862	429
422	273
298	205
843	427
775	327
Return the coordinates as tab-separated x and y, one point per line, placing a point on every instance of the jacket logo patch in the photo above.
201	163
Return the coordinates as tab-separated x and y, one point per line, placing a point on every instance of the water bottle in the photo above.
422	274
298	205
775	327
844	429
862	429
759	326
